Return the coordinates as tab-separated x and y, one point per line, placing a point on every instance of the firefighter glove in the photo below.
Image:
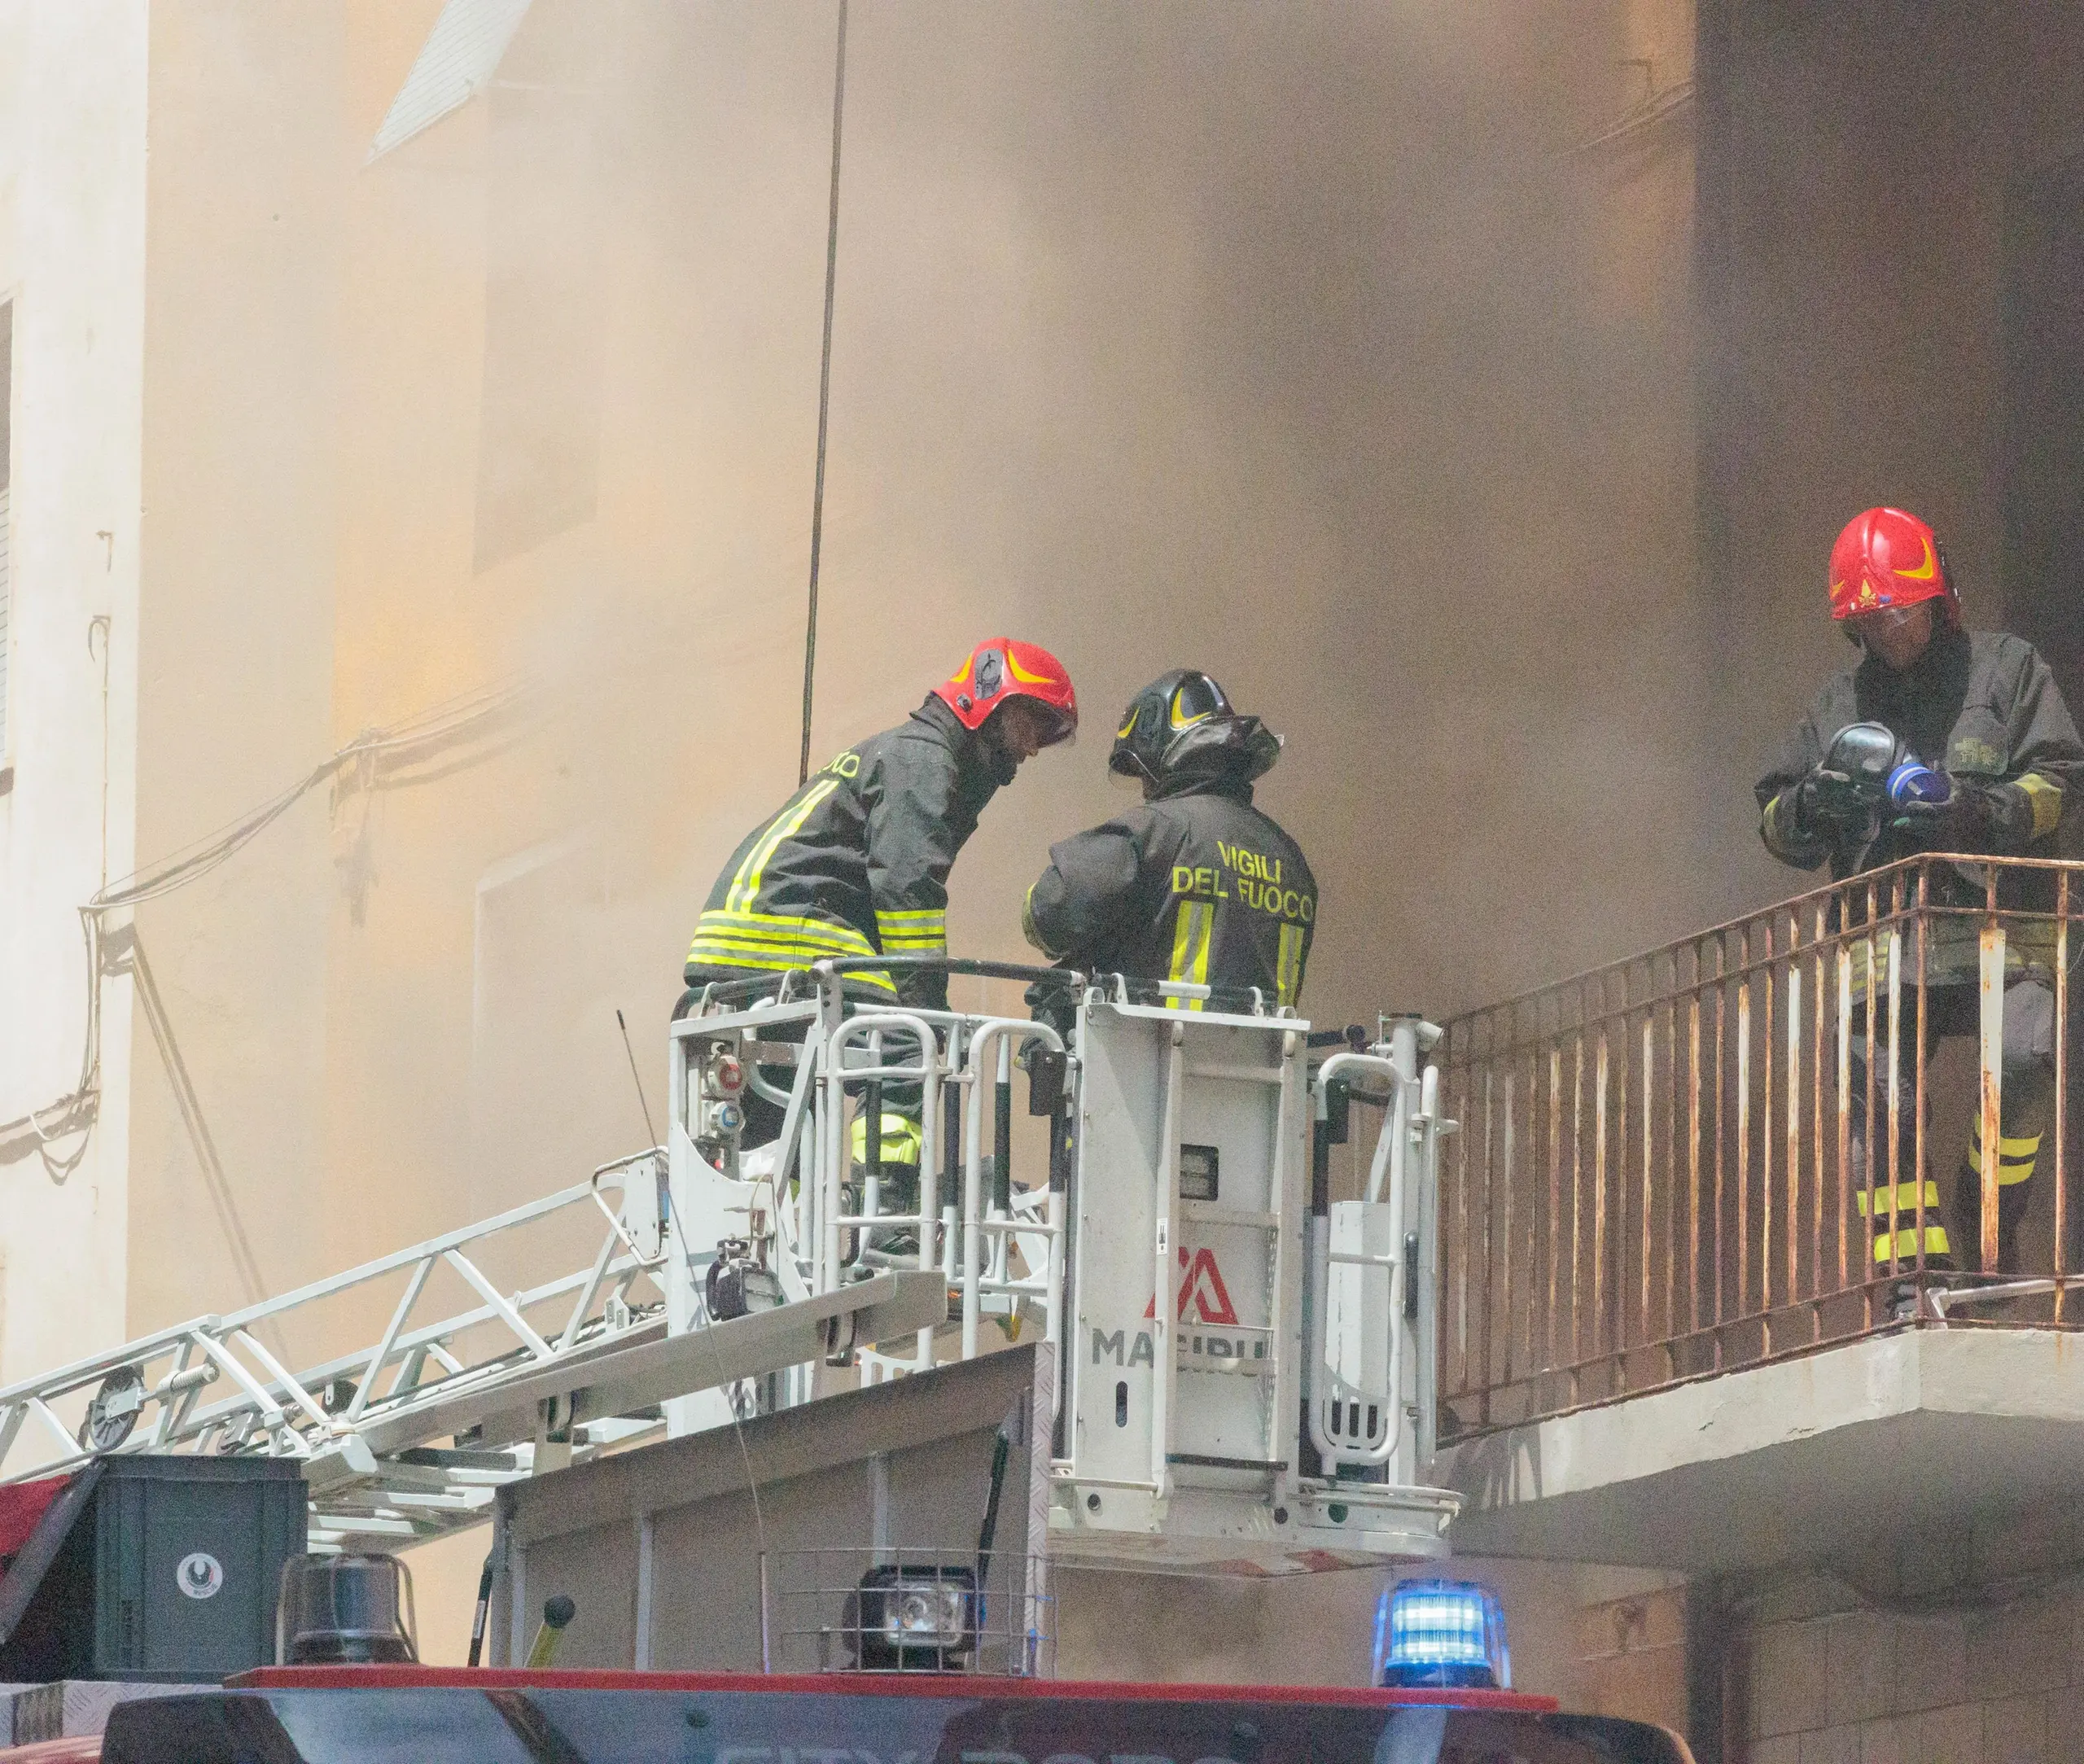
1963	822
1825	802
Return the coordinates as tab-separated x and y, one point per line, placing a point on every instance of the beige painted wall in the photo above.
72	106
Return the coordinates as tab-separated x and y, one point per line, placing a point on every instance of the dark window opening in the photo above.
2043	456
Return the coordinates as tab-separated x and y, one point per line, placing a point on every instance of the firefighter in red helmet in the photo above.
1981	710
856	862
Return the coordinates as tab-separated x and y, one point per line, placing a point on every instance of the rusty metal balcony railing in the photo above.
1687	1162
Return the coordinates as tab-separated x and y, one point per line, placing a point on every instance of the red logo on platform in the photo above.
1204	1285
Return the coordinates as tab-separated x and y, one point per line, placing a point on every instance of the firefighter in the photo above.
1196	885
856	863
1983	707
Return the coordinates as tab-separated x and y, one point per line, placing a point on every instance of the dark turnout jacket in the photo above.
856	863
1981	705
1197	886
1984	706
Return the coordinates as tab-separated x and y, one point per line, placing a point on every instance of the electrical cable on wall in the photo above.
824	392
375	760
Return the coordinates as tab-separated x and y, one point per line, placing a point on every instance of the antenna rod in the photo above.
652	1134
824	392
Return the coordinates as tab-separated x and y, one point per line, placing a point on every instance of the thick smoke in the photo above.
1305	342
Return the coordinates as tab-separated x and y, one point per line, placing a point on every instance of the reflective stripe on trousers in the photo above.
1907	1245
2015	1156
1906	1236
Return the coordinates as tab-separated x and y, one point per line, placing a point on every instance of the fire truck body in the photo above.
392	1715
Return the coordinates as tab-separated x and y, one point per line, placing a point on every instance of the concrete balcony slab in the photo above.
1791	1462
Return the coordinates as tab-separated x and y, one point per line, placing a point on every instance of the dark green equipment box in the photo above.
157	1569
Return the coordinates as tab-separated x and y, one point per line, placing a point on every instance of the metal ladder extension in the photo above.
523	1380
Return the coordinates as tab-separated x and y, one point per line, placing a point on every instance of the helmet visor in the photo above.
1026	724
1059	726
1893	617
1195	697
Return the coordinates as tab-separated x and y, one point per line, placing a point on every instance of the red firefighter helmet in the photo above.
999	668
1889	557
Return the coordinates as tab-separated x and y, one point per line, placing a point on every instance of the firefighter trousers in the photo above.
2028	1069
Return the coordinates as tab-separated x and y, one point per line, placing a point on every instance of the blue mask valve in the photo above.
1915	781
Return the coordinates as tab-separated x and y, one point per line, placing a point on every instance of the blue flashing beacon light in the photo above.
1441	1634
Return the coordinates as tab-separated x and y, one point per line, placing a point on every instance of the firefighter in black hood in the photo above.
1197	885
1982	709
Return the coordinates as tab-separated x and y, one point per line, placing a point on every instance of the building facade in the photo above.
412	411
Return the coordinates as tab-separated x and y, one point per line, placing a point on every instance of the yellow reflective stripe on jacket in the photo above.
830	934
744	885
765	963
2044	796
805	943
1905	1245
715	954
763	955
1027	924
1906	1199
1778	836
726	949
1191	935
1288	963
775	941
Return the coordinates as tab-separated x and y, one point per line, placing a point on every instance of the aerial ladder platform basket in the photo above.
1242	1367
1245	1365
